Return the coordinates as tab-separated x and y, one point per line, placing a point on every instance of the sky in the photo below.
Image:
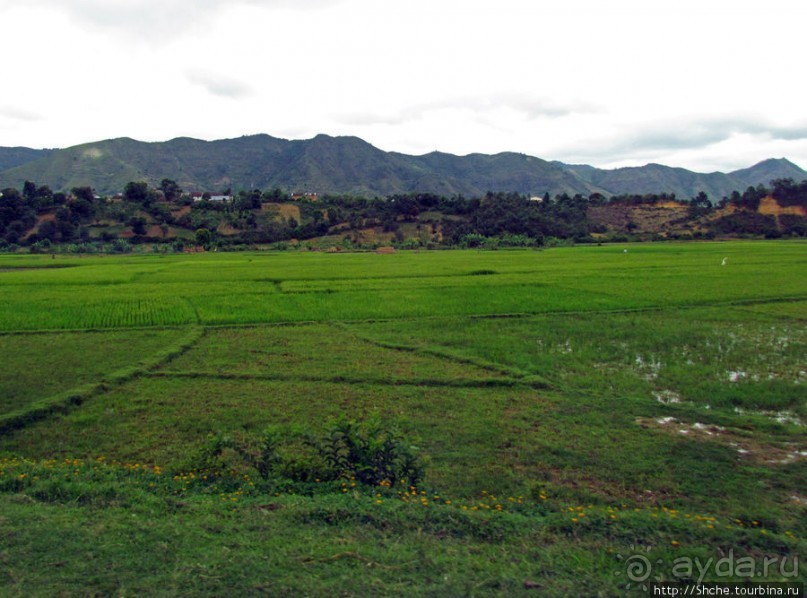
701	84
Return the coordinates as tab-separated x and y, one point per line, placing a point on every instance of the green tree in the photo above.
29	190
136	192
275	195
138	224
170	189
48	230
699	205
203	237
85	193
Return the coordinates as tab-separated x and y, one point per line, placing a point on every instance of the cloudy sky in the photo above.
702	84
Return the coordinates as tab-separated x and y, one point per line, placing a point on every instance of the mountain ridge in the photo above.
351	165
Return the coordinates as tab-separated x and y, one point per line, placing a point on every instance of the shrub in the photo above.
369	452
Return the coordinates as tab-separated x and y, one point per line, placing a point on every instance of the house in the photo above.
196	196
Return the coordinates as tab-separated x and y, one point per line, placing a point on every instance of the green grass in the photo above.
37	366
320	353
575	406
135	291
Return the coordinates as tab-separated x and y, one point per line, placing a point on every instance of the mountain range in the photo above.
349	165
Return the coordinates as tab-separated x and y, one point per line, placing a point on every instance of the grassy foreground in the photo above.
577	409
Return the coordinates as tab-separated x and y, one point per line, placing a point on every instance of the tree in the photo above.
247	200
170	189
67	230
85	193
138	224
44	197
82	208
789	193
138	192
699	205
203	237
275	195
29	190
48	230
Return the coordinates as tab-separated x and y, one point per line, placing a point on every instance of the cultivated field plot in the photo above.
37	366
574	406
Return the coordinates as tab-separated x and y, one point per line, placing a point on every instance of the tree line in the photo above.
38	217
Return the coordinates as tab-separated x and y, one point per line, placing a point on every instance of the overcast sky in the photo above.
703	84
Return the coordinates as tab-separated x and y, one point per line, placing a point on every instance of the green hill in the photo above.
11	157
349	165
657	178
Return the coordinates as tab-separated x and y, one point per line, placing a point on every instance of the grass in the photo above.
575	405
316	352
39	366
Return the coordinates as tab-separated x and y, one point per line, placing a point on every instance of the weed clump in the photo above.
369	452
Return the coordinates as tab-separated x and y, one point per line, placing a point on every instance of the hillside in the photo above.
11	157
657	178
349	165
38	219
345	165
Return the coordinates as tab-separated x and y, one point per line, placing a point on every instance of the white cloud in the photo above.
690	83
218	84
527	105
155	19
17	113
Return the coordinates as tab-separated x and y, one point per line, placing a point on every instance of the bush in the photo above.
745	222
793	225
369	452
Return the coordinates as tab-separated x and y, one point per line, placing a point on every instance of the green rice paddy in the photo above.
611	400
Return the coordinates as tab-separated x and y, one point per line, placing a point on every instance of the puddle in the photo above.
667	397
746	446
736	376
685	428
649	369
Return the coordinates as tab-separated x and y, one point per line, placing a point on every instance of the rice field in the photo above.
41	293
572	404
